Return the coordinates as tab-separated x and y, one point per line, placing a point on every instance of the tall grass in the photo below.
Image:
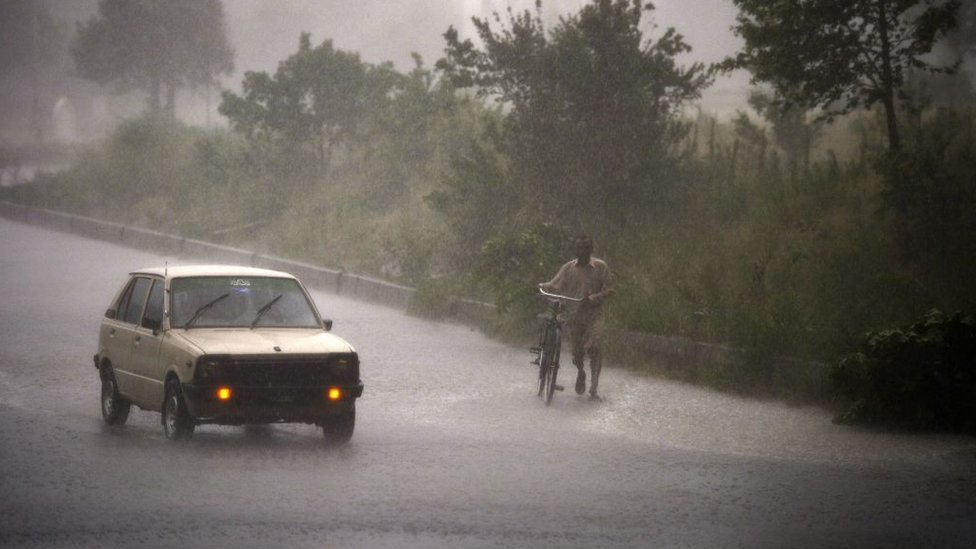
782	265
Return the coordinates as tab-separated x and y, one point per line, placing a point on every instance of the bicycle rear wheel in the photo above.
542	378
544	360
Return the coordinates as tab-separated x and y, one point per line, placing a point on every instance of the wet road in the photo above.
452	448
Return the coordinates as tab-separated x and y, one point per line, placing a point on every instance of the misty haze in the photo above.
613	274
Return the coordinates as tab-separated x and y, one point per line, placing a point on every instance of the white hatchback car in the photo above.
224	345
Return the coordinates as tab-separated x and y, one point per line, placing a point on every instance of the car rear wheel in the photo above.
340	429
176	420
115	408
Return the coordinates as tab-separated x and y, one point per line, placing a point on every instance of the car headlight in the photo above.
346	366
208	369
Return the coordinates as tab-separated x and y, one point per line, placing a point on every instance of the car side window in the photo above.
153	317
137	298
124	300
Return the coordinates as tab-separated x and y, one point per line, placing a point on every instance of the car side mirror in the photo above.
327	324
110	314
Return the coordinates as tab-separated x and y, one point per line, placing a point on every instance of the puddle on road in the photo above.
668	413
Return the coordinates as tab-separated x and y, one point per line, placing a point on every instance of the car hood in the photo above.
245	341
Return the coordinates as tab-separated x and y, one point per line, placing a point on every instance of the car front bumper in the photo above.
250	404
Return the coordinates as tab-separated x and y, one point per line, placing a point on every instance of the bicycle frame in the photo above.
550	342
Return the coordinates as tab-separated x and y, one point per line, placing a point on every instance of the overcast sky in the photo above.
265	32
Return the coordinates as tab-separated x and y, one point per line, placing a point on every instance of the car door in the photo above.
122	332
147	337
113	345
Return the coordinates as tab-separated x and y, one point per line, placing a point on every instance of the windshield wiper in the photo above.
264	309
201	310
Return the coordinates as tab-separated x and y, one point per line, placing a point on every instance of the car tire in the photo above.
177	423
340	429
115	408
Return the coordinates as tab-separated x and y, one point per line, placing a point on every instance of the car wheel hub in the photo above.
108	397
172	406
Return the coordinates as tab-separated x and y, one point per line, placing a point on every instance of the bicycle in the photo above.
550	341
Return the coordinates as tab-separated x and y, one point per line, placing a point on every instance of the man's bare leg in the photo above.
596	365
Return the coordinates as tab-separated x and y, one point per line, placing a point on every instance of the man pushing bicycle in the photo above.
589	279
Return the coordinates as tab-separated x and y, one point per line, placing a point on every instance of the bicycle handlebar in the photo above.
557	296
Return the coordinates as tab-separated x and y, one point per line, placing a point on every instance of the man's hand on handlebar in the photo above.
599	297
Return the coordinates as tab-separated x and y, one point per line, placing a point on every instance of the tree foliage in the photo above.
318	96
791	130
508	261
962	39
840	55
590	108
154	46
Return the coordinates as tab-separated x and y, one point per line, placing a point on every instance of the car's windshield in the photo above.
244	301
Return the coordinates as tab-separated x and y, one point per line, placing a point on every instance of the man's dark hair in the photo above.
584	236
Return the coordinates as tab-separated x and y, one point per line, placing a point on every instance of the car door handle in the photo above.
111	331
137	339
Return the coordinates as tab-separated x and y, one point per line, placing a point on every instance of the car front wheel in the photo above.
176	420
340	429
115	408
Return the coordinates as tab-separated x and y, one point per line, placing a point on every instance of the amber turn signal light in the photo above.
224	393
334	393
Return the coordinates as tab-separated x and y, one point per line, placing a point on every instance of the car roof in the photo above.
183	271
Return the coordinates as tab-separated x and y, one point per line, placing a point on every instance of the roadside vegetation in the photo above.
790	231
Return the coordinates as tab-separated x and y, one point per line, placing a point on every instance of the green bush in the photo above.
513	264
918	376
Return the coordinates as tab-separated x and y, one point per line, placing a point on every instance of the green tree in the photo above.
755	139
840	55
592	108
156	46
477	197
962	40
791	130
414	108
318	96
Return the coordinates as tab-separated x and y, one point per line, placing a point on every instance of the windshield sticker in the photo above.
240	282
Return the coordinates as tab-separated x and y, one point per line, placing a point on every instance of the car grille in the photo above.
289	372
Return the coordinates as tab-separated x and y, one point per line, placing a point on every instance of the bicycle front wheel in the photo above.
543	362
553	341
